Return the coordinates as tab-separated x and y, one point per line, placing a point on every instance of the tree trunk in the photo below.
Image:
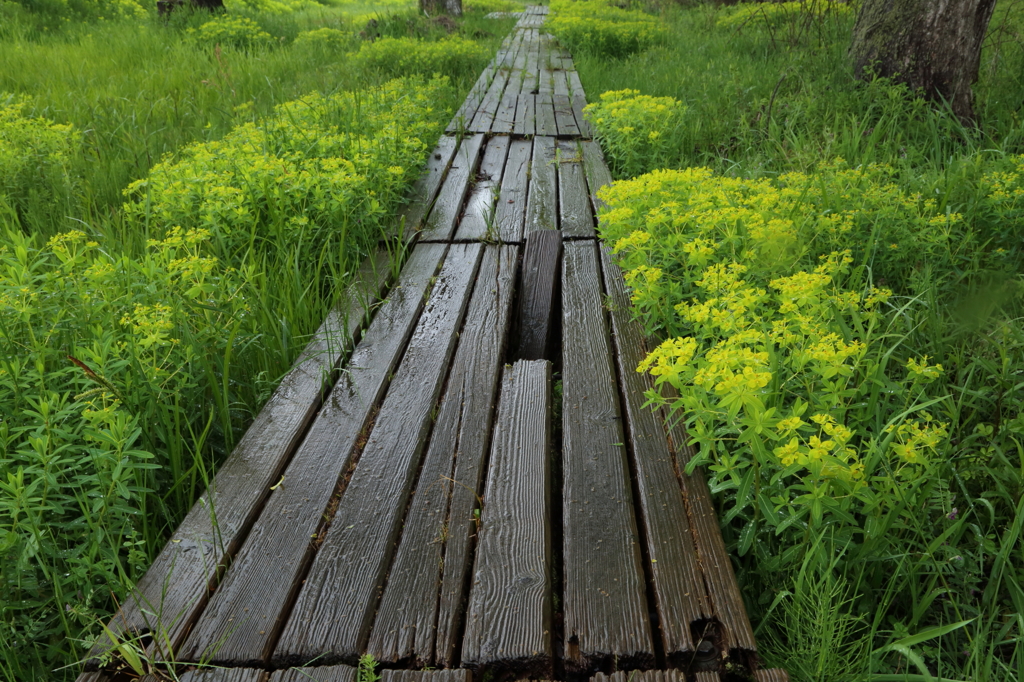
434	7
934	45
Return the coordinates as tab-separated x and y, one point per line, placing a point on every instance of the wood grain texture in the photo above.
488	108
224	675
641	676
565	120
426	676
510	212
169	597
476	220
544	114
426	188
536	323
92	677
508	621
542	199
677	579
505	117
444	216
597	171
243	616
332	616
579	100
463	118
604	602
436	530
771	675
327	673
575	214
736	635
525	123
704	676
469	404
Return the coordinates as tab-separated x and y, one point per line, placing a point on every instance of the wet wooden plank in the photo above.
604	602
641	676
579	100
488	108
575	217
508	621
477	219
510	213
330	624
565	120
327	673
224	675
735	635
525	123
504	119
597	171
464	116
244	614
536	324
472	393
771	675
704	676
542	198
544	113
679	591
439	524
427	187
444	216
426	676
169	597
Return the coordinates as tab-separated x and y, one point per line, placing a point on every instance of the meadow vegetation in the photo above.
832	269
181	202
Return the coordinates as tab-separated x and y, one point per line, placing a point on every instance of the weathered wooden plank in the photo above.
426	676
705	676
504	119
604	602
565	120
464	116
488	108
472	393
407	619
92	677
771	675
331	624
542	198
245	612
477	219
224	675
510	213
679	591
544	114
641	676
597	171
525	123
576	218
427	187
579	101
735	632
326	673
447	208
508	620
166	608
536	324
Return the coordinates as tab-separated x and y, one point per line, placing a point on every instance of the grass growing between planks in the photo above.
180	205
835	270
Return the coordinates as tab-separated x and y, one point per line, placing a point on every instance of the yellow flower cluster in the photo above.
597	27
408	56
635	129
776	13
230	30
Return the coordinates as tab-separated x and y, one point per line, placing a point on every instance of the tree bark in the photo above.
434	7
932	45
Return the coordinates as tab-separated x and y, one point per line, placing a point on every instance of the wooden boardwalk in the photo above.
459	473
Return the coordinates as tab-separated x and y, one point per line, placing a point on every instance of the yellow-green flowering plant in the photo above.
230	30
634	129
410	56
596	27
780	353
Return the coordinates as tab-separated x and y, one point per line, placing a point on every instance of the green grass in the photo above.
177	337
925	581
